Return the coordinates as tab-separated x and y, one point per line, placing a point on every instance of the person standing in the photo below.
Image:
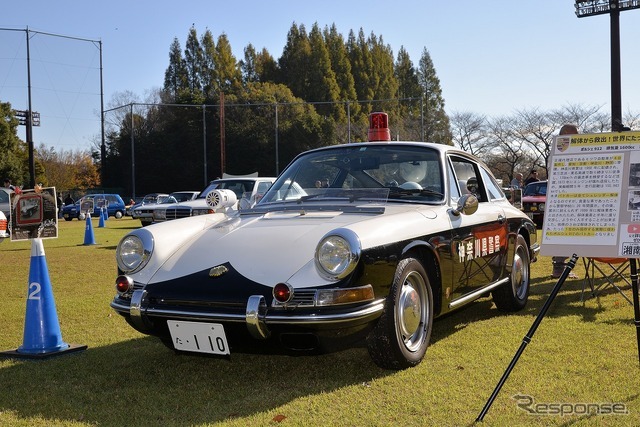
559	262
533	177
7	184
516	182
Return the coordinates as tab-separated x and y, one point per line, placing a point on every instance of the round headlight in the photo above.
134	251
337	254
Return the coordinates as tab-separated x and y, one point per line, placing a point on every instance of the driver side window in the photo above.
468	179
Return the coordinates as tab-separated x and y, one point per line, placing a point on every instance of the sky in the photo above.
492	57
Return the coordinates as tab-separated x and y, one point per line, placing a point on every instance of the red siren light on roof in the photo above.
379	127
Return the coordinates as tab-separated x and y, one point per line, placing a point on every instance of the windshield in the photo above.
239	186
535	189
405	173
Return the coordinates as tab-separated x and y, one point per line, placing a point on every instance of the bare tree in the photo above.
469	132
509	155
536	129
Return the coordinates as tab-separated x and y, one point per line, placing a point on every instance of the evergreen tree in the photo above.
209	67
410	95
194	60
386	85
248	65
437	127
294	62
266	67
361	68
228	71
342	69
175	77
323	86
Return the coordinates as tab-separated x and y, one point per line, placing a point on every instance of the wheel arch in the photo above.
428	256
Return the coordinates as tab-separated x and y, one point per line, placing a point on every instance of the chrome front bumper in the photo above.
256	316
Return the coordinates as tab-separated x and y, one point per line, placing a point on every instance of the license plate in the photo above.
198	337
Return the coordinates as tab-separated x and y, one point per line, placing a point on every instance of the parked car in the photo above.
534	198
144	212
113	203
5	202
246	189
404	232
147	199
4	226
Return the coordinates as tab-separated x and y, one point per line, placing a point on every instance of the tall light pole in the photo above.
586	8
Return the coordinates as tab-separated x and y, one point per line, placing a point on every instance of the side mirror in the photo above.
467	204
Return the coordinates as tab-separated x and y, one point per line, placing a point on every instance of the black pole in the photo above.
636	302
32	163
616	96
527	338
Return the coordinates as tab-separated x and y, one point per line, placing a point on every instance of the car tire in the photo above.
118	215
514	295
68	219
401	337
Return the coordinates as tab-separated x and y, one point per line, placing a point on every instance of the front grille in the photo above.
177	213
301	298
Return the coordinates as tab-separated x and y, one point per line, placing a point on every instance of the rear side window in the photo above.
494	190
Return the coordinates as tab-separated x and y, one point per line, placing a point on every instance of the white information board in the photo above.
593	196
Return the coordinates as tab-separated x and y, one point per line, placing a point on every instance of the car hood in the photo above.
271	247
532	199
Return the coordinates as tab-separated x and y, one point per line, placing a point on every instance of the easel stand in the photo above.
543	311
529	335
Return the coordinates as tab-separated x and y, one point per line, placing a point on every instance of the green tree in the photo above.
323	86
295	61
210	83
194	61
227	69
175	76
437	127
14	158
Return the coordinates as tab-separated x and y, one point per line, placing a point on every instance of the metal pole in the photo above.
616	97
349	122
636	302
133	158
204	141
103	148
277	161
32	164
222	135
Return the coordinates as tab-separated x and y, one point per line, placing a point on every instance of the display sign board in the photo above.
34	214
86	205
593	196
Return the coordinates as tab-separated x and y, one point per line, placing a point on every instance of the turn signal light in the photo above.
124	284
282	292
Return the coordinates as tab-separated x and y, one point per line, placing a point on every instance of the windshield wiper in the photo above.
397	191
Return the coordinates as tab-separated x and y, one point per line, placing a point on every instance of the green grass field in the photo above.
582	353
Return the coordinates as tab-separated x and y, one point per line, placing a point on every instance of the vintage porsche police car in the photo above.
366	241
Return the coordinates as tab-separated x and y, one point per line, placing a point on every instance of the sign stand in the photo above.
527	338
636	300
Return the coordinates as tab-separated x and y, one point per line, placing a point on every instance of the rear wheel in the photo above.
402	335
118	215
514	295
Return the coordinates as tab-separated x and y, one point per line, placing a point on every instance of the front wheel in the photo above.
402	335
514	295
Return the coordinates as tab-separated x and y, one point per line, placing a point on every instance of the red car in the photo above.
534	198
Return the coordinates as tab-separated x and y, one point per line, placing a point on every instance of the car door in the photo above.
479	240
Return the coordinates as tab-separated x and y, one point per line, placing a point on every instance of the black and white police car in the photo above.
366	241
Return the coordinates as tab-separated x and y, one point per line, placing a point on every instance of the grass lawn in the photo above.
582	353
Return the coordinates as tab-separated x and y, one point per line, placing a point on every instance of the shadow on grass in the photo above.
141	382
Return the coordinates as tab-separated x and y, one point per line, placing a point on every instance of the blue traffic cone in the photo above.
42	337
101	221
105	213
89	238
